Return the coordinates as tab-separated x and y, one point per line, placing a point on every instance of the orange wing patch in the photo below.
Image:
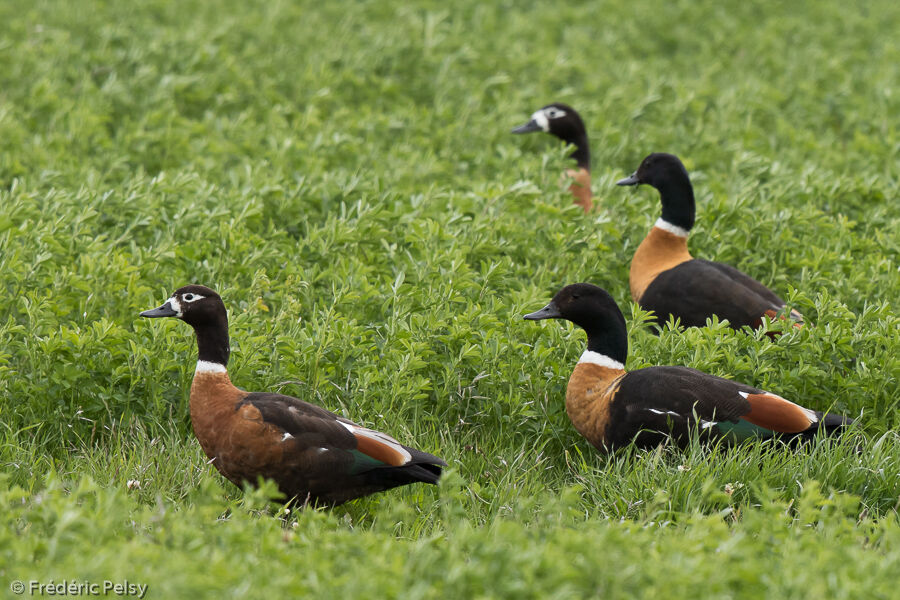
794	315
777	414
380	447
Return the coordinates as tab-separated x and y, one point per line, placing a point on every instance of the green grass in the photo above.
343	174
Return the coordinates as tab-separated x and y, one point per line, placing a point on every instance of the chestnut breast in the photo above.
590	391
238	441
660	251
581	187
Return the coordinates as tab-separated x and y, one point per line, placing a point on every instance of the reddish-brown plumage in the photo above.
614	408
778	316
660	251
312	454
564	122
379	450
589	393
238	441
581	187
777	414
666	280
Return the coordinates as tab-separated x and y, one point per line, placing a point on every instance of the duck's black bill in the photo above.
165	310
548	312
630	180
527	127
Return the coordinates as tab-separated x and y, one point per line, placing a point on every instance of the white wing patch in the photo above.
664	412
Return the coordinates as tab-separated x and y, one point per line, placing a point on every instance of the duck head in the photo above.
562	121
203	309
667	174
593	309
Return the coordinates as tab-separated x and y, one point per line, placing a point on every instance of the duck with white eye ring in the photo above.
314	456
562	121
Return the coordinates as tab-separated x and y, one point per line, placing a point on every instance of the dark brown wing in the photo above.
659	402
697	289
332	459
655	403
748	282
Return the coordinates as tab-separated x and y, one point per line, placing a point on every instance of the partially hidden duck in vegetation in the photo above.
313	455
562	121
667	280
613	407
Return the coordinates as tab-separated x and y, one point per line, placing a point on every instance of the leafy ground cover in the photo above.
343	174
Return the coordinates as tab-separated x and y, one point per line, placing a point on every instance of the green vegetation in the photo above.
343	174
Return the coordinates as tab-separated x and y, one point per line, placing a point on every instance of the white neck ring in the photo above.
673	229
205	366
602	360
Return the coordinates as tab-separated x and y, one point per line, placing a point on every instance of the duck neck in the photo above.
611	344
582	153
212	346
677	199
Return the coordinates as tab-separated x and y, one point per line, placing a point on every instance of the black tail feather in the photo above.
391	477
830	424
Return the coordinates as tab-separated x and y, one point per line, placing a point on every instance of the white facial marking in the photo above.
176	306
554	113
595	358
205	366
541	119
192	297
673	229
286	437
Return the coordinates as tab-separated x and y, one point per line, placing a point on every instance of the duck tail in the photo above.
829	424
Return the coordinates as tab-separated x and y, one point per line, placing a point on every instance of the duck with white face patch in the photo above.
312	454
562	121
612	407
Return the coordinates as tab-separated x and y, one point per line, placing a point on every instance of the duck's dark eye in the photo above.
188	297
575	296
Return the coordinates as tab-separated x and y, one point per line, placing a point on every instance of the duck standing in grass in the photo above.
562	121
313	455
612	407
667	280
